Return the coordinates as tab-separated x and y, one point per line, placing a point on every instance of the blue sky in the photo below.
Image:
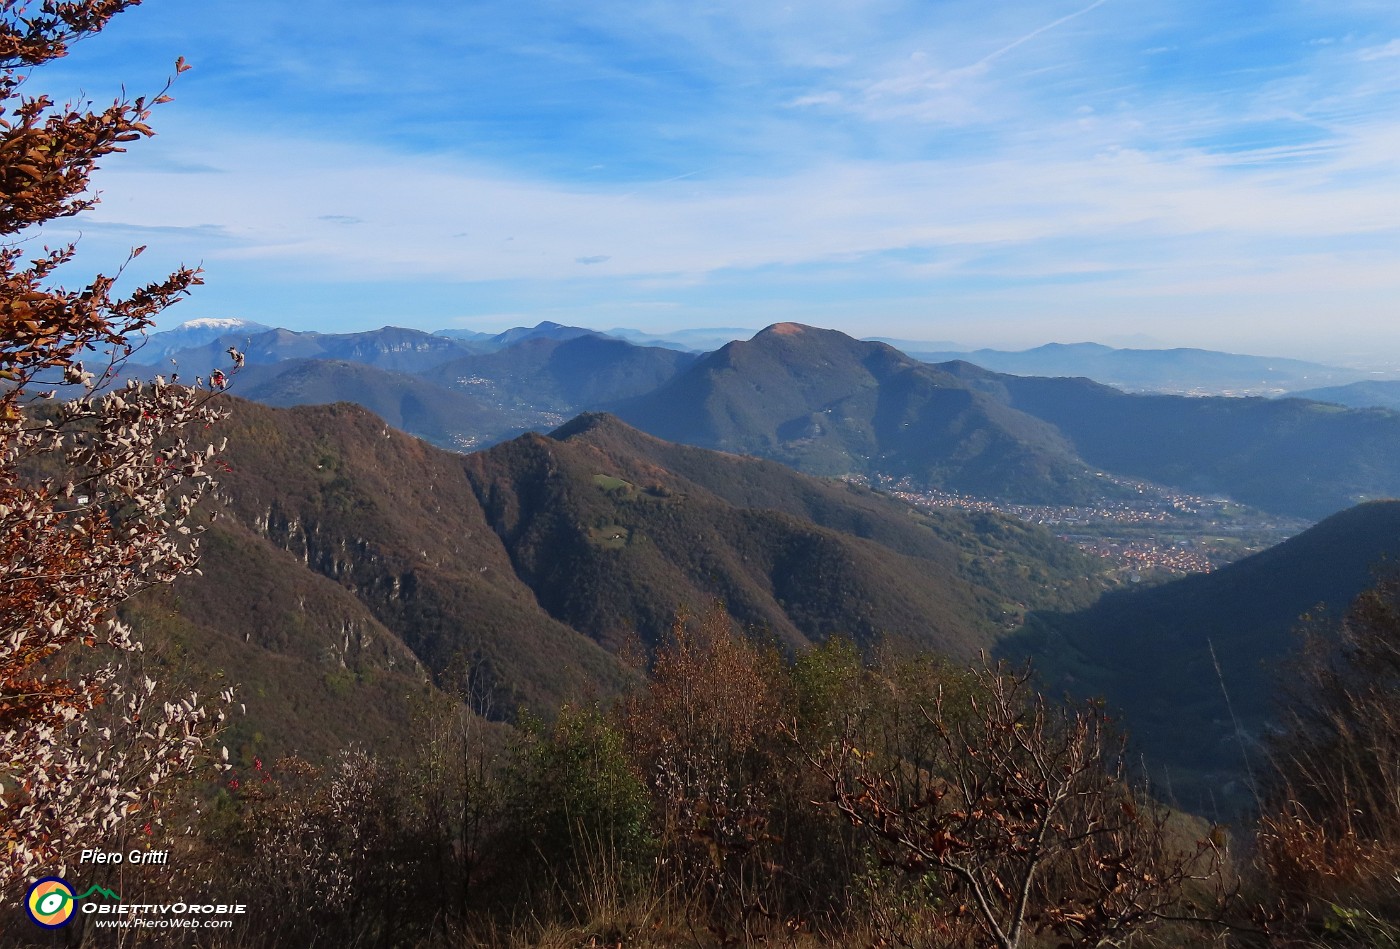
1193	173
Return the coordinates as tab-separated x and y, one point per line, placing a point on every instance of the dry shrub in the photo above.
705	735
1329	841
1018	822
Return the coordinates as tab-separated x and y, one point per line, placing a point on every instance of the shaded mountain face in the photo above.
444	417
1290	456
1167	656
550	375
315	671
396	523
1153	370
354	562
831	405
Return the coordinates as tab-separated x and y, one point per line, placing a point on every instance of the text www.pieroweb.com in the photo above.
140	923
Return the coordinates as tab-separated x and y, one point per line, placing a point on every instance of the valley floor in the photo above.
1160	534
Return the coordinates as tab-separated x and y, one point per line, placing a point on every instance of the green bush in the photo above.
574	802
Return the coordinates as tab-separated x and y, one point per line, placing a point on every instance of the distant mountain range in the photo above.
200	346
1180	371
392	347
1291	456
445	417
830	405
159	347
561	374
687	340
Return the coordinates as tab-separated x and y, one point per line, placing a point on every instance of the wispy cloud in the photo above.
1388	51
1022	40
1055	159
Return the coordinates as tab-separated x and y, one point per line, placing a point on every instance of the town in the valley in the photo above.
1157	533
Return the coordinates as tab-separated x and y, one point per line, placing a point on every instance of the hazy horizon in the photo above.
1042	170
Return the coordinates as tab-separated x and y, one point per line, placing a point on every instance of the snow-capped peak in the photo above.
211	323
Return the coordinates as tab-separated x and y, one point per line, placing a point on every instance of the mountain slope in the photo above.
1154	652
831	405
352	561
394	521
1023	563
548	374
598	528
313	667
444	417
1291	456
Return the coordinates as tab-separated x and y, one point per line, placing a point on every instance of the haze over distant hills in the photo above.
1376	393
1182	371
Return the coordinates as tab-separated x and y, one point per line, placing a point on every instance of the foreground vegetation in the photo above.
736	799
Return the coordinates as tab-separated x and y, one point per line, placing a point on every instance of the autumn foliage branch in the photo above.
96	483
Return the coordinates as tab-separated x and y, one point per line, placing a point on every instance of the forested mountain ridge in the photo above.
611	540
362	560
395	522
828	404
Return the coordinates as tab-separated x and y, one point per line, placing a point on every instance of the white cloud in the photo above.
288	203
